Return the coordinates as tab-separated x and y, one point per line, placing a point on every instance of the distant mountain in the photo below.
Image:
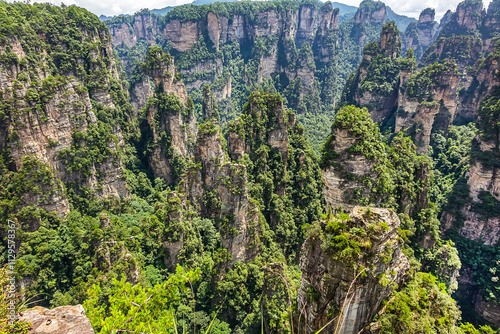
207	2
105	18
401	21
162	11
344	9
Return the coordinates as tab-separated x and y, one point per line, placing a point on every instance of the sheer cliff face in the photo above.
370	15
464	34
339	190
483	175
478	219
330	281
426	27
216	189
491	23
368	90
426	99
437	112
420	100
358	167
237	215
140	93
273	37
44	112
468	14
420	35
172	125
300	25
475	88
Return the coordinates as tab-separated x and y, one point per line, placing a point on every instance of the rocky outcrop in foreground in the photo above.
60	320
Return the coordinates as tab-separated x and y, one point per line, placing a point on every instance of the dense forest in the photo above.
250	167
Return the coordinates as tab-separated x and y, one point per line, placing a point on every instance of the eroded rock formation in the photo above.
48	115
330	283
275	35
172	125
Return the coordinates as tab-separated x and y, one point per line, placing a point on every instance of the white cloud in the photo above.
114	7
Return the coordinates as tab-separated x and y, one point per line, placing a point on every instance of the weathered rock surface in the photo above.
326	278
468	14
140	94
328	25
60	320
367	15
421	109
475	225
282	30
490	311
426	27
219	188
465	34
379	105
478	218
339	189
476	88
172	126
43	128
428	116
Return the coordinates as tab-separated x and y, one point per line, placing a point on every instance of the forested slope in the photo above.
159	170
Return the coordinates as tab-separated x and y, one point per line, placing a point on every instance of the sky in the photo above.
410	8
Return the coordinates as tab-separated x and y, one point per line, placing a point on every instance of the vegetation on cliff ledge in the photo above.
159	257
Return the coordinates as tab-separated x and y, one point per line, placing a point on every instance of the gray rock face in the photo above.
291	28
60	320
229	182
338	190
426	27
140	94
326	278
477	226
329	23
477	87
367	16
308	23
179	126
379	105
488	310
439	114
43	131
